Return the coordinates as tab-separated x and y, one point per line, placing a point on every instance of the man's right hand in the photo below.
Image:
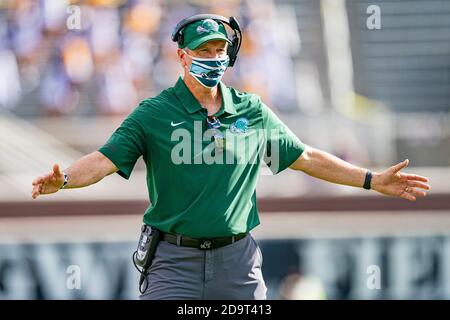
48	183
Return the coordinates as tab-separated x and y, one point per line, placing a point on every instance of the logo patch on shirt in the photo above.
176	124
239	126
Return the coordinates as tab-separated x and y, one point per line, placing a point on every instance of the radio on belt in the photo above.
147	244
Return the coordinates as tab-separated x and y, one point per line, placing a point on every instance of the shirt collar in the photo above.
192	105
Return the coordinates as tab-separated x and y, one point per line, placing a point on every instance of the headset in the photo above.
233	48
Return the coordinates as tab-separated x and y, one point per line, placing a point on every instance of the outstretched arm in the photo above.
84	172
325	166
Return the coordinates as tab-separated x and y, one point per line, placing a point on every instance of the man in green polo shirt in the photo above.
205	144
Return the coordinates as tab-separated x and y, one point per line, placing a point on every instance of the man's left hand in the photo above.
395	183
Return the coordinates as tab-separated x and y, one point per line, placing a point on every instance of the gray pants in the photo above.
231	272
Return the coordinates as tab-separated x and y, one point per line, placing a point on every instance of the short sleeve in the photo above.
125	145
283	146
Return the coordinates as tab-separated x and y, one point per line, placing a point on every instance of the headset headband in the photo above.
233	48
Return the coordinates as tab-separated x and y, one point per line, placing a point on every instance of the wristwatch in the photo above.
368	180
66	180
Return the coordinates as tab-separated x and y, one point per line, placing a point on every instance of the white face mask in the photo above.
208	71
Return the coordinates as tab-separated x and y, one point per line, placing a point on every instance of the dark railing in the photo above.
121	207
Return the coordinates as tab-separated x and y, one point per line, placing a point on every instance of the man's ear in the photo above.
181	57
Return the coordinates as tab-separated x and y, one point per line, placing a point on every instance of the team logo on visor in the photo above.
207	26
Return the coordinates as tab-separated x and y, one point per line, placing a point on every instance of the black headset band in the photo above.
231	22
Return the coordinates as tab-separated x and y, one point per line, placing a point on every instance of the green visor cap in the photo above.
201	31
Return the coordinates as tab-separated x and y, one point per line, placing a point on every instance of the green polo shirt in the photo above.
197	188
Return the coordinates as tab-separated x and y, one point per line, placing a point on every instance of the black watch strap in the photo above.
368	180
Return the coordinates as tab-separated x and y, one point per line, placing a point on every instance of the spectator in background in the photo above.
25	28
21	41
104	31
263	46
71	68
140	46
117	93
57	94
10	89
77	59
165	72
54	13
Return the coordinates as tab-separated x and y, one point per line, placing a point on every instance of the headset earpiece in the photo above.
180	38
234	24
235	41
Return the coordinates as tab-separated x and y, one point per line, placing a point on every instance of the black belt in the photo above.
203	244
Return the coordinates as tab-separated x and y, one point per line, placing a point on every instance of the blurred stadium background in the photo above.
370	96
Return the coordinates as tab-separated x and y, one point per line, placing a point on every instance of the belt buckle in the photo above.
206	244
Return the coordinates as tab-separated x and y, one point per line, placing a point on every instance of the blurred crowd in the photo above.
101	57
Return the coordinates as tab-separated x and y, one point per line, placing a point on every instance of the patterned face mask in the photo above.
208	71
